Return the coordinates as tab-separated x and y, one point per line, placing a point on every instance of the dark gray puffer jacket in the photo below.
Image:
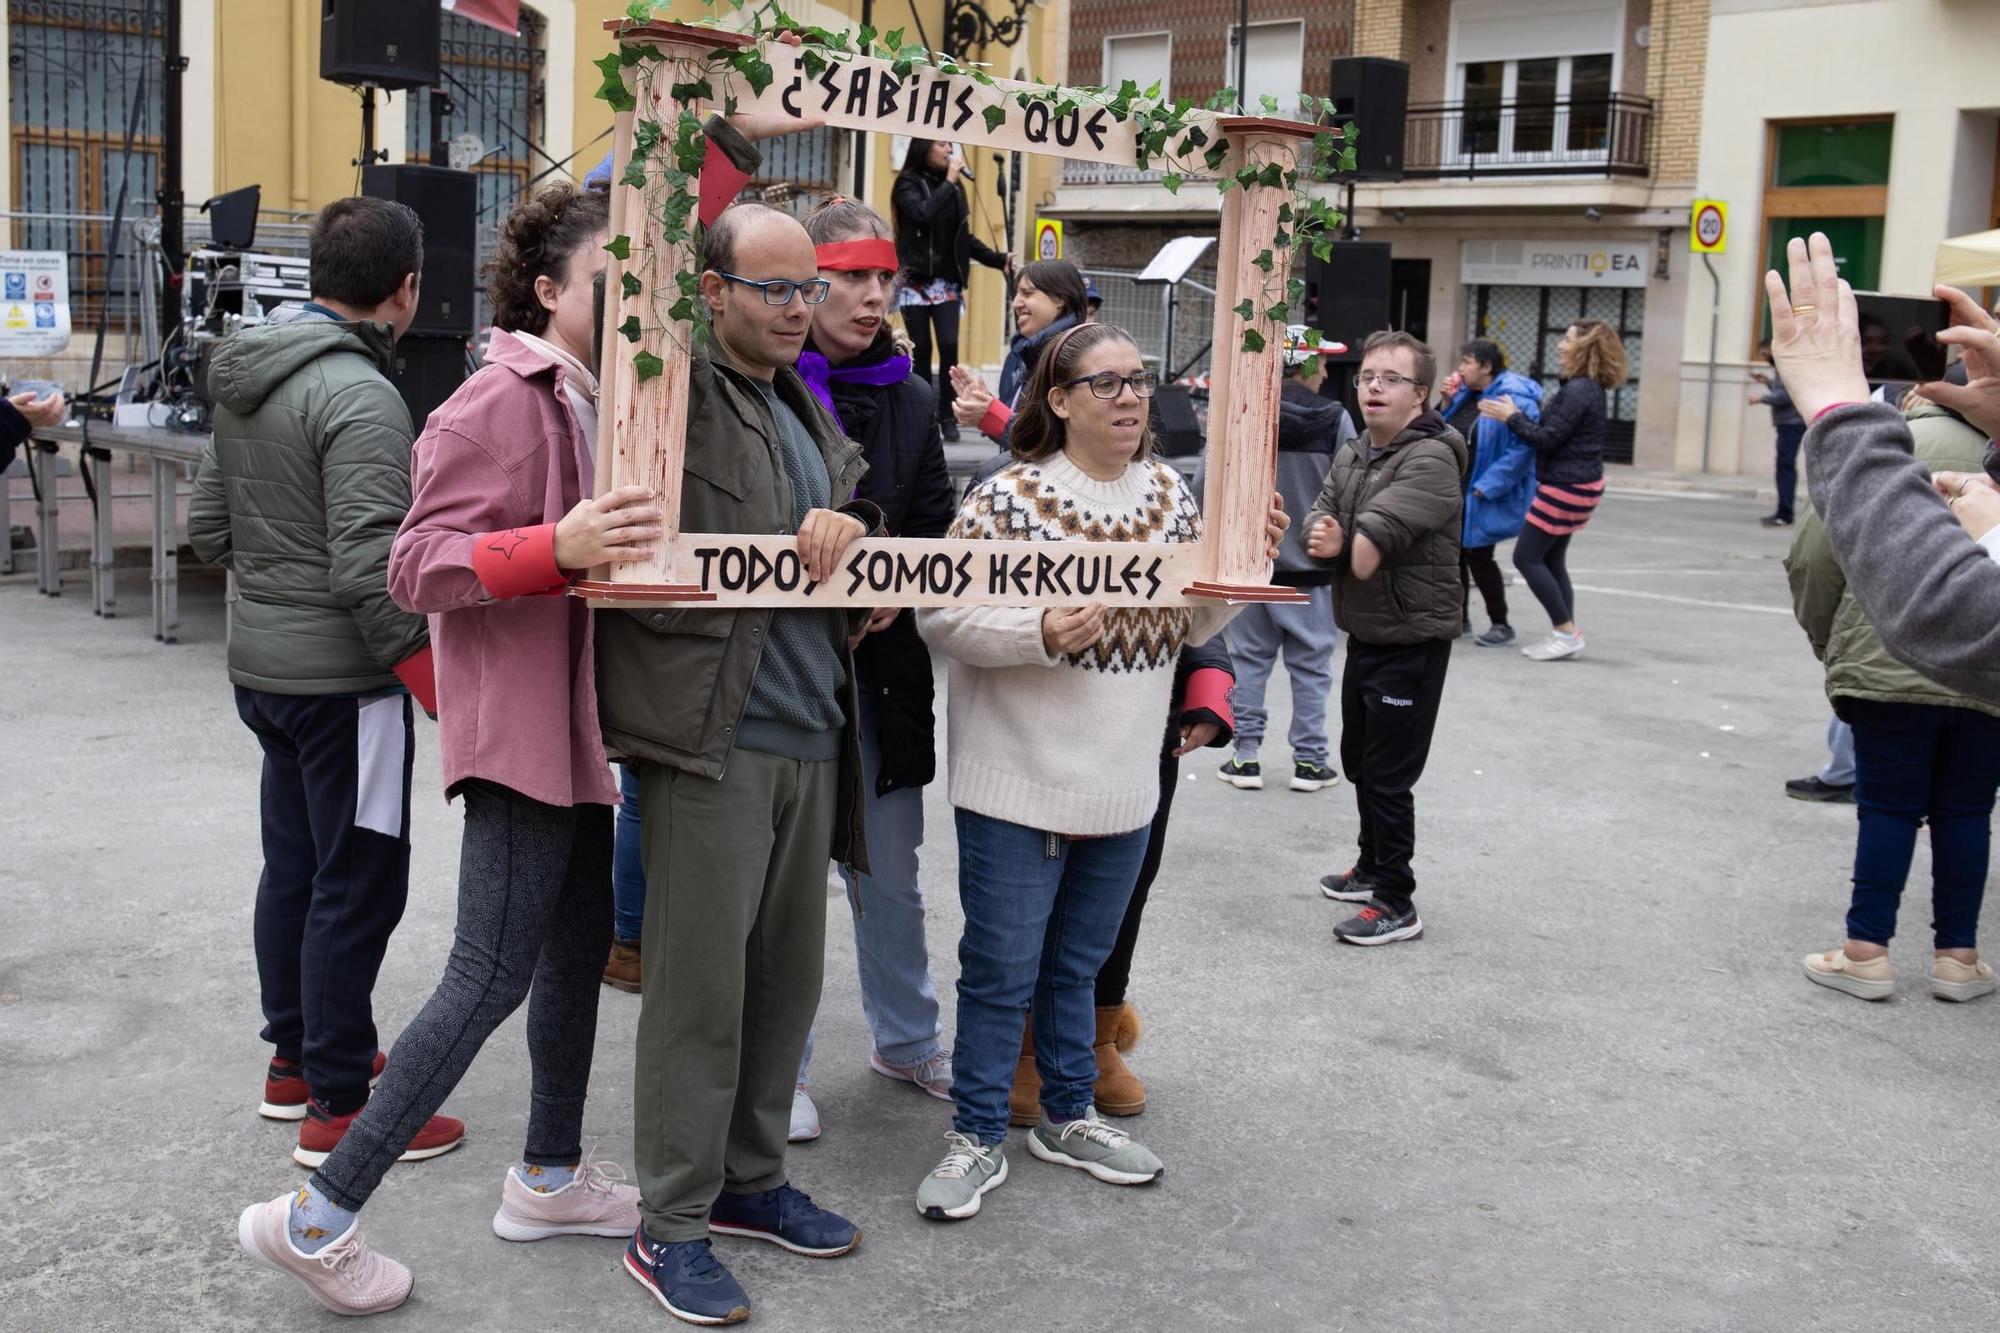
300	494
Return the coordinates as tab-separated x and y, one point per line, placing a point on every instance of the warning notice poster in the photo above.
34	303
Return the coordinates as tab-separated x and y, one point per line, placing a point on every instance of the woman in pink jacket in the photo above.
502	518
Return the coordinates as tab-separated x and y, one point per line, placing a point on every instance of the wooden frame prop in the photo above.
656	81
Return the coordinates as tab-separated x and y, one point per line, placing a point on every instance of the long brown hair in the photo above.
1596	353
1038	432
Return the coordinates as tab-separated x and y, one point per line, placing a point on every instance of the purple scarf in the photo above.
820	377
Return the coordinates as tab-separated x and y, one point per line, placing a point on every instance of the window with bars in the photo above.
1529	322
74	71
498	88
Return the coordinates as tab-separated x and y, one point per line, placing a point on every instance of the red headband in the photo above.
851	256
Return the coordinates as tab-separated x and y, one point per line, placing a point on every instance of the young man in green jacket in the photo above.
741	725
300	493
1389	522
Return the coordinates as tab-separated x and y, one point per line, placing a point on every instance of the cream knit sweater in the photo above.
1068	744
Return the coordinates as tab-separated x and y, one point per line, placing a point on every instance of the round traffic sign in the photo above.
1708	225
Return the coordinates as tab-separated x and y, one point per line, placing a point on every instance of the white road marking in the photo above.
1684	601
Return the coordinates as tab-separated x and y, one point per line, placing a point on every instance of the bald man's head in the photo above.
751	243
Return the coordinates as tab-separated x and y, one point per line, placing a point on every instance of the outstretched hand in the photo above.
1815	329
1977	336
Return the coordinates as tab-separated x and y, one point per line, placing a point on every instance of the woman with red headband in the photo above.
855	366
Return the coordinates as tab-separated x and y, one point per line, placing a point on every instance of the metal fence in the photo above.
1141	309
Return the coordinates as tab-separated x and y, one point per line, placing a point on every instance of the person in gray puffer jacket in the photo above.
299	494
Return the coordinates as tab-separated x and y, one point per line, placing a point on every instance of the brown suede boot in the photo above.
621	970
1024	1103
1119	1091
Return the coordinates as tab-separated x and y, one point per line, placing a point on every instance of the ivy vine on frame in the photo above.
1169	134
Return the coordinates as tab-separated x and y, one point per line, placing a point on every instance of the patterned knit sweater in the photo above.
1068	744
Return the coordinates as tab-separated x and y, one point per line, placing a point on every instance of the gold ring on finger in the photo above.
1804	309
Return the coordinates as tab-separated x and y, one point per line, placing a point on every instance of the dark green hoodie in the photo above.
300	494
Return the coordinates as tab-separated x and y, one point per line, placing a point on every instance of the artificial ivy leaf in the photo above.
635	173
647	366
1277	313
1172	182
1217	151
645	135
1272	175
701	90
629	284
753	68
865	38
1244	310
894	41
1295	289
1152	93
614	90
630	328
639	10
1323	247
1253	341
995	117
1269	103
620	247
689	282
1282	239
812	61
682	309
1264	260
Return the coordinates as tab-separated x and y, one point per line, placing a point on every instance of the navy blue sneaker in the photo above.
688	1279
1379	923
784	1216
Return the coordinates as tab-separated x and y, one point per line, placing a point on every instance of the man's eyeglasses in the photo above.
1107	384
1388	379
778	291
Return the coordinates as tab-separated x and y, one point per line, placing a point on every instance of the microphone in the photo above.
965	173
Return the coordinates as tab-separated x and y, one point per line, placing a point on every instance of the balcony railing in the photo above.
1605	135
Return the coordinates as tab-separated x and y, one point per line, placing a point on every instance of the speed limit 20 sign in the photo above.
1708	232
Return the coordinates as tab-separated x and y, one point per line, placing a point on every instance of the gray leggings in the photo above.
534	923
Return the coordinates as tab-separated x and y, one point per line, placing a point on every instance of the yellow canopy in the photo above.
1970	261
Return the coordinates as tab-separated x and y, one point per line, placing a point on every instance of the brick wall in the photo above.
1676	81
1200	28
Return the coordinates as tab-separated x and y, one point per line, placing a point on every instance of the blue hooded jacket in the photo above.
1503	476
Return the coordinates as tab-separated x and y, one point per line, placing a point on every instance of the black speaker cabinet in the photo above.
1176	433
1349	293
426	371
389	43
1374	93
447	202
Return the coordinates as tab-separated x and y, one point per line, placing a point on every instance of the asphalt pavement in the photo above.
1598	1093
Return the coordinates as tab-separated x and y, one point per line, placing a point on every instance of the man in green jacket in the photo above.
300	494
1389	522
740	724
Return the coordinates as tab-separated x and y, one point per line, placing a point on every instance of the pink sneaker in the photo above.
346	1277
595	1203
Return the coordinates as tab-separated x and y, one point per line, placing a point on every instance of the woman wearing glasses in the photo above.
1569	442
1055	716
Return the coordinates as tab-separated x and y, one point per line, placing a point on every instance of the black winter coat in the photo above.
1569	439
934	230
897	429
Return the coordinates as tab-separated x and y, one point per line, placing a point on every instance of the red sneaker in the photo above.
319	1132
285	1091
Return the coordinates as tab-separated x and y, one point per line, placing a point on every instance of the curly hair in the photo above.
1596	353
1038	433
538	239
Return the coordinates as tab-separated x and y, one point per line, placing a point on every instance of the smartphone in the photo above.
1899	337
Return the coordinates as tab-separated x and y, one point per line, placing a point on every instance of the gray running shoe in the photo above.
1496	637
951	1192
1092	1145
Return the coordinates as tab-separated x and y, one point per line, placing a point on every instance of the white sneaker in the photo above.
1554	648
933	1075
805	1117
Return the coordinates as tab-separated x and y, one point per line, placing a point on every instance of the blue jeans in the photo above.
1042	912
1789	438
1306	635
628	863
1839	770
890	952
1918	763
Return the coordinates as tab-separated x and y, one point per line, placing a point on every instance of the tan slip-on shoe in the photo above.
1959	982
1874	979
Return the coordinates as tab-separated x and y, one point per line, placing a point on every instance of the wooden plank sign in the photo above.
643	421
